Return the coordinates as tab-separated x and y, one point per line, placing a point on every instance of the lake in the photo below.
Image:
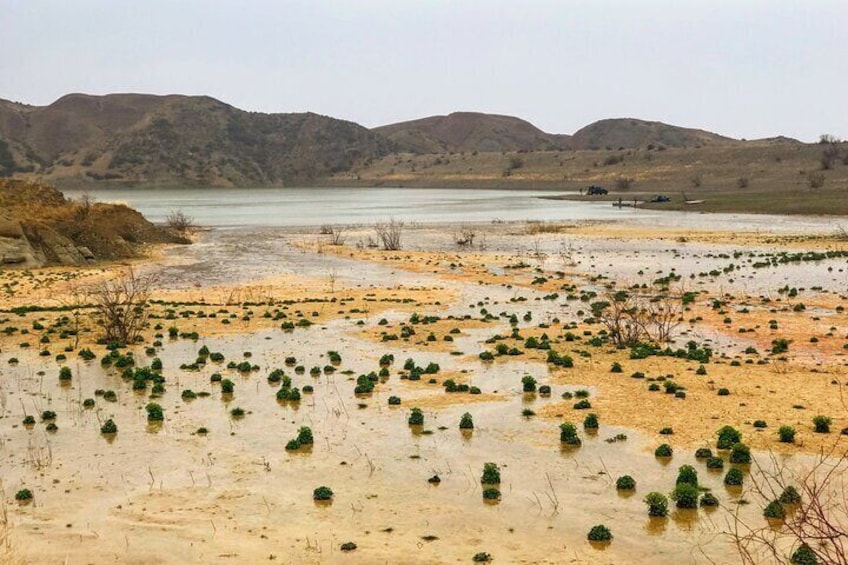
283	207
294	207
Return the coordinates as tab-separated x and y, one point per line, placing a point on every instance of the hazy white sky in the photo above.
744	68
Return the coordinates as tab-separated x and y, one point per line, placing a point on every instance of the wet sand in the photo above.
164	494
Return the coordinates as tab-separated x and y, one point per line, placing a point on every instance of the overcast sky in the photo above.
743	68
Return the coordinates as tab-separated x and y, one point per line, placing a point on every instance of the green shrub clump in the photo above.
663	450
491	494
322	493
304	436
466	422
23	495
591	422
154	412
109	427
582	405
599	533
568	434
821	424
786	434
687	475
625	482
715	463
657	504
65	374
727	436
416	417
774	510
708	500
733	478
491	474
804	555
685	495
790	495
740	454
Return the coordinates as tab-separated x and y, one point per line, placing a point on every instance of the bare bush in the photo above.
566	254
629	317
464	237
336	233
742	182
818	523
177	220
389	233
120	305
85	202
662	316
623	316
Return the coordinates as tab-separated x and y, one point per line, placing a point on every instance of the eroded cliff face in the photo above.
39	227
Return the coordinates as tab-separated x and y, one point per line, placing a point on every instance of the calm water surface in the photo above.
282	207
293	207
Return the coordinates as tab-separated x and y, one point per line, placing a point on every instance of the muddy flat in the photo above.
758	341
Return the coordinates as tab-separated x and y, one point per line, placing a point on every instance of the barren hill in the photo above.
628	133
149	139
471	131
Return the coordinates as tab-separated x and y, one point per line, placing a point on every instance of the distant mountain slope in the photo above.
176	139
470	131
628	133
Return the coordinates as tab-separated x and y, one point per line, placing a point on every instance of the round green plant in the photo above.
685	495
568	434
687	475
109	427
740	454
715	463
790	495
599	533
708	500
774	511
416	417
734	477
322	493
804	555
466	422
664	450
786	434
491	494
491	474
821	424
23	495
625	482
657	504
727	436
154	412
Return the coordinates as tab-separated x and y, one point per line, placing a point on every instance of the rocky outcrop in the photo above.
38	227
